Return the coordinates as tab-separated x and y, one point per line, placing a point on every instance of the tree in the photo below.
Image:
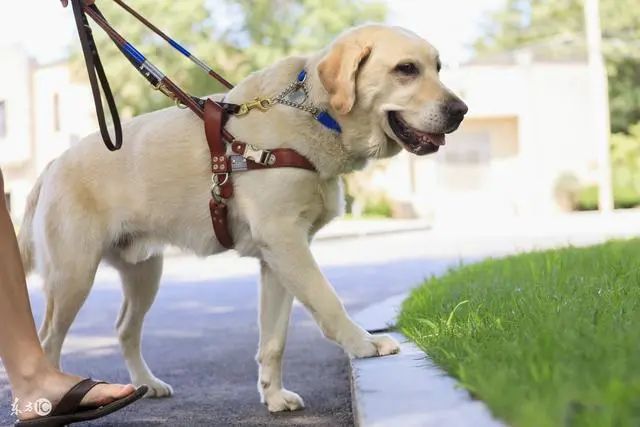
235	37
548	23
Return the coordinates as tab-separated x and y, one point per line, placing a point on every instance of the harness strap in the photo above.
265	159
246	157
97	77
175	45
221	188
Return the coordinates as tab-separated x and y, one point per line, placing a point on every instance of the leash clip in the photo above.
166	92
263	104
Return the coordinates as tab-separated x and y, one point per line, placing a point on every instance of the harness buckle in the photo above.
261	103
263	157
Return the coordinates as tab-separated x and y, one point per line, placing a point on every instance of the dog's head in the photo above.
384	84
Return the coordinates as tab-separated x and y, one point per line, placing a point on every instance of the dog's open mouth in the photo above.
414	140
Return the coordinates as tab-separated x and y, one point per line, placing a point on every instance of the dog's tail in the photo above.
25	236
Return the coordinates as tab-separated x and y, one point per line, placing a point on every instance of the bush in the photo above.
379	207
623	198
625	164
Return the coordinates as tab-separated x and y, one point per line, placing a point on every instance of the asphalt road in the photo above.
201	335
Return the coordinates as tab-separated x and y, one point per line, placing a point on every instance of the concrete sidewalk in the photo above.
342	228
407	389
346	228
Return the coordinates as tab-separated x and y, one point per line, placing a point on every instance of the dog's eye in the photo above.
407	68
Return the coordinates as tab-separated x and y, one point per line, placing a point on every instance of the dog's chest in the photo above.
330	203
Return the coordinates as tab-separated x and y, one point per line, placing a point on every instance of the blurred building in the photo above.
528	140
528	136
42	112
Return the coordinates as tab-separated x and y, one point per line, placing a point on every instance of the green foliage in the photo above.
545	339
273	29
625	163
523	22
235	37
547	22
624	198
379	207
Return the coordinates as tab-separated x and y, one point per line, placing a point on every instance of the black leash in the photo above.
151	73
97	77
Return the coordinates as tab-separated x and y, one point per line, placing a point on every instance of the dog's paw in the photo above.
385	345
283	400
375	345
157	387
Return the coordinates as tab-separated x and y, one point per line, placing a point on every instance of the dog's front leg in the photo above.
286	251
275	308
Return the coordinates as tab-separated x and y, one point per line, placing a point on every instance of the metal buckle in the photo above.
263	104
217	181
263	157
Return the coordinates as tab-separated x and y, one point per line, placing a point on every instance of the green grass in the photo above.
545	339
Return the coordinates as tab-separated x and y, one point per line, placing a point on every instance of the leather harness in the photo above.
243	158
228	155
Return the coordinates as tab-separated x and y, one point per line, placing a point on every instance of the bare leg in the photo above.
275	309
30	373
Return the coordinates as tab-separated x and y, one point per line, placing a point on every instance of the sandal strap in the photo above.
70	402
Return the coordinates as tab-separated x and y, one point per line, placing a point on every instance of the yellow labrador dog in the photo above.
380	83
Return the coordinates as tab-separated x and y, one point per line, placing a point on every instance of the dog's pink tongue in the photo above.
437	138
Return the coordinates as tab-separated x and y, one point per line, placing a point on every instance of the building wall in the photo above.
64	112
17	144
46	112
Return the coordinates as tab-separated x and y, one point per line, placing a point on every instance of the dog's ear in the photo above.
338	70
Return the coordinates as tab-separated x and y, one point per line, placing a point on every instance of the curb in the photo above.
408	389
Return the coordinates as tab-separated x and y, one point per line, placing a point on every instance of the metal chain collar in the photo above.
287	97
295	95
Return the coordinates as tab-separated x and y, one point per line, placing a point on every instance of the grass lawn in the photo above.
545	339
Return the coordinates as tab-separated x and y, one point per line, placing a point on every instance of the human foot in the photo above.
31	401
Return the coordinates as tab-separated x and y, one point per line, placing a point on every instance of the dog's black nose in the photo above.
457	108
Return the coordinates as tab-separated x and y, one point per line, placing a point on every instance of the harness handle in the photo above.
97	77
175	44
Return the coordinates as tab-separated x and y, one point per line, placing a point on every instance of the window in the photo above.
3	119
468	149
464	164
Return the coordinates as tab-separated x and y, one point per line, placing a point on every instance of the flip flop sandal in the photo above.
69	411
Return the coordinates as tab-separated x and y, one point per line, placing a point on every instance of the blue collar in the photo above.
296	96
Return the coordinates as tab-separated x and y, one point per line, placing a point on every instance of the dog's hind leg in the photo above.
275	309
67	285
140	284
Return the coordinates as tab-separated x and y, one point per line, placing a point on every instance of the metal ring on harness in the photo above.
215	181
216	186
